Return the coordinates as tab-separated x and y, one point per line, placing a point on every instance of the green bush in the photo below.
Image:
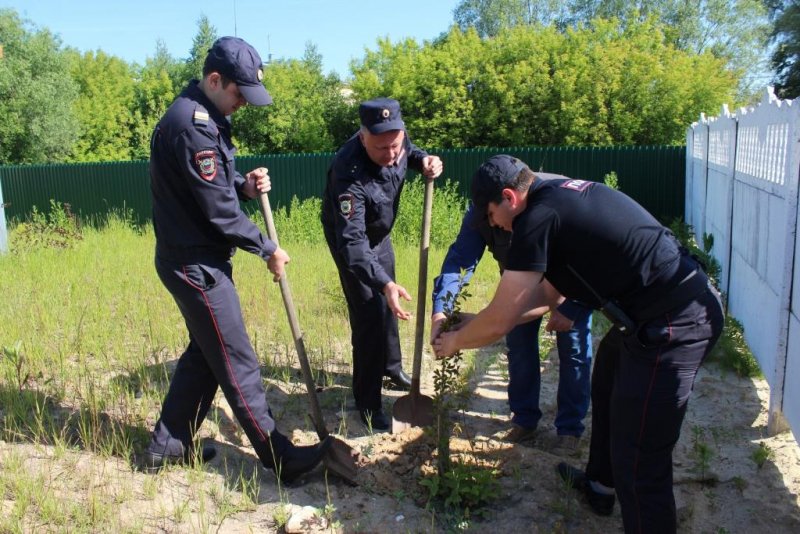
446	214
732	352
57	229
300	222
466	490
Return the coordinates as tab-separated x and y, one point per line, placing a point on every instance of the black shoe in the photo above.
399	381
601	503
153	461
375	419
297	460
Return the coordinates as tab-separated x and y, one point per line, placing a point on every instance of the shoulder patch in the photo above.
206	163
577	185
346	205
200	116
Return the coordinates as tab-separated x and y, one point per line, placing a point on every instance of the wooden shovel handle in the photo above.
294	324
422	288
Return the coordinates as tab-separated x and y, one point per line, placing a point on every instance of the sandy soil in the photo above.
722	490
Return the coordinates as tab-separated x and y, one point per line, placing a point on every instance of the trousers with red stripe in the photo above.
219	354
640	391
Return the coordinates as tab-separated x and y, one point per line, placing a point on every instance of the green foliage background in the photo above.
598	81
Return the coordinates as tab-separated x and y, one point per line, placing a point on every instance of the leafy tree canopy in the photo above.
103	108
786	55
733	30
36	94
534	85
309	112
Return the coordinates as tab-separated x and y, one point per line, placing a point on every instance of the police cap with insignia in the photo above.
381	115
233	58
495	174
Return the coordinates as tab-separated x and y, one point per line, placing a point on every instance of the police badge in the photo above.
346	205
206	161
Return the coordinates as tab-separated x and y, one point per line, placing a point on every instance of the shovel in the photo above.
340	458
416	409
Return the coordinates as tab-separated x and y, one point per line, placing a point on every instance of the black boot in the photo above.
576	479
375	420
399	381
291	461
152	462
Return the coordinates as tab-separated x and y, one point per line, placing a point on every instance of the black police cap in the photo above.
381	115
239	62
495	174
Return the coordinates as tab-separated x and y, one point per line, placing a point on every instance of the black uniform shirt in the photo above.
195	186
359	205
612	242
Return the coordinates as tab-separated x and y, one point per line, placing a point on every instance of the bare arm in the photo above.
517	293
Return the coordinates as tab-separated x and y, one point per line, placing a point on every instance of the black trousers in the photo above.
374	331
219	354
640	390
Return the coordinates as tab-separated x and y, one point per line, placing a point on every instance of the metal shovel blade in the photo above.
410	411
342	460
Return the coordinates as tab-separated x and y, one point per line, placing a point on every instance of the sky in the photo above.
340	29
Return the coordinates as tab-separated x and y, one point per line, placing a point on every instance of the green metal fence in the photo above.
653	175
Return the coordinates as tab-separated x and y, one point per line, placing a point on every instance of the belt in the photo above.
193	254
693	285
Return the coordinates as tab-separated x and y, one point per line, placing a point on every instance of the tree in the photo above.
306	114
786	56
103	107
154	91
201	44
36	95
535	85
734	30
489	17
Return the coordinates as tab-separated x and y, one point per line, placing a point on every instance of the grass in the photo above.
88	340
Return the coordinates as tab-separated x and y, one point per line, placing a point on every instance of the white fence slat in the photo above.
743	190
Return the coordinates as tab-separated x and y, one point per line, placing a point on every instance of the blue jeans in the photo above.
575	363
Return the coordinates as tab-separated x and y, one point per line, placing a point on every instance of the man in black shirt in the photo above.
595	245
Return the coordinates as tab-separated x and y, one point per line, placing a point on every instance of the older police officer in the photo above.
359	208
598	246
198	226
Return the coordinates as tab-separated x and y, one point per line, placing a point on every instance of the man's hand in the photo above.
393	293
436	325
445	345
437	320
276	263
432	166
558	322
256	182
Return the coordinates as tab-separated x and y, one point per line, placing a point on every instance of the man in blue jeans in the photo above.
574	345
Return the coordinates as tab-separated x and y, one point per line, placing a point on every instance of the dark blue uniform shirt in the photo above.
360	203
195	186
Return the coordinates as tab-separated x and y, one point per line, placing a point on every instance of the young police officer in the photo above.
598	246
198	225
524	377
359	207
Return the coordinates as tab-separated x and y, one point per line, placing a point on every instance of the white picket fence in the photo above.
742	187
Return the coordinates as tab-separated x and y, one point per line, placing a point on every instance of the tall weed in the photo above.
58	228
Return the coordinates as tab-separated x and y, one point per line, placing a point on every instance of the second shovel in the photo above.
416	409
